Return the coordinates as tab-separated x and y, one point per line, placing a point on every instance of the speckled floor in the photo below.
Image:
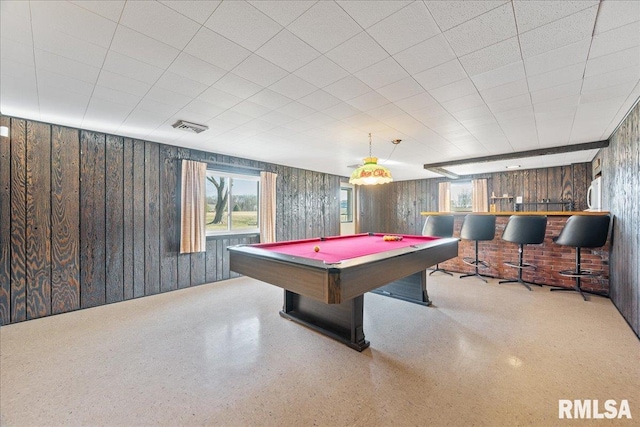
219	354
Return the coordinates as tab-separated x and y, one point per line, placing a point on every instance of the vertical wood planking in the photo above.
65	220
542	183
152	218
210	262
38	220
127	219
92	219
303	230
198	268
138	219
219	259
5	224
114	217
307	204
18	220
567	184
169	218
581	181
554	183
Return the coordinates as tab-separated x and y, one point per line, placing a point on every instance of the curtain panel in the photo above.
444	197
193	236
479	196
267	207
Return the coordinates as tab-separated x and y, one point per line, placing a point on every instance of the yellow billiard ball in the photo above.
316	248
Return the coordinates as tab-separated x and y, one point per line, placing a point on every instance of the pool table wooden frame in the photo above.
329	297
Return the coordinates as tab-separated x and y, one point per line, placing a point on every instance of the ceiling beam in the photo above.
521	154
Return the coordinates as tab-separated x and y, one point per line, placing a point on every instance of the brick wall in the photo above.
549	257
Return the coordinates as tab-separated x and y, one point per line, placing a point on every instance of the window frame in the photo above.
350	201
459	184
232	174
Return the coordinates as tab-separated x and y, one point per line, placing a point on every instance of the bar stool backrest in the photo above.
585	231
478	227
525	229
438	225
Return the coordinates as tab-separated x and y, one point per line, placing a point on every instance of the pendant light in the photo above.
371	173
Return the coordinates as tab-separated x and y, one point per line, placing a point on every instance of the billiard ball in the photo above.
316	248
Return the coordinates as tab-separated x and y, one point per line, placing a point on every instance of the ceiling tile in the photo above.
234	117
202	107
199	11
385	112
558	58
321	72
417	102
111	9
607	93
270	99
533	14
499	76
556	77
73	21
319	100
56	42
196	69
401	89
160	109
405	28
559	33
219	98
448	14
159	22
613	78
118	82
250	109
463	103
293	87
357	53
492	57
366	13
136	45
441	75
132	68
237	86
455	90
614	61
287	51
425	55
296	110
555	92
347	88
168	97
283	12
61	65
215	49
614	14
382	73
259	70
62	82
255	30
15	22
368	101
620	38
557	104
512	103
472	35
324	26
505	91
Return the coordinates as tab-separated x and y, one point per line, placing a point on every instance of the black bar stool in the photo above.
438	226
583	231
477	227
524	230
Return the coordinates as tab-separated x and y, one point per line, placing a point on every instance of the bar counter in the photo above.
549	257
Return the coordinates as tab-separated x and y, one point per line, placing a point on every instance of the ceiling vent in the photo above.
190	127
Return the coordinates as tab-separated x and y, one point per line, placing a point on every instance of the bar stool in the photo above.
583	231
477	227
524	230
438	226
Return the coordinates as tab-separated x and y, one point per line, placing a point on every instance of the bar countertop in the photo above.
547	213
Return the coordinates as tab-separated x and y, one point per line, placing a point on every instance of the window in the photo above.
346	204
461	196
232	203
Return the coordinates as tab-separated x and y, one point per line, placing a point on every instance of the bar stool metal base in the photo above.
440	270
476	263
520	266
577	288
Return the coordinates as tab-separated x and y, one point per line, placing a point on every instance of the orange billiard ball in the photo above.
316	248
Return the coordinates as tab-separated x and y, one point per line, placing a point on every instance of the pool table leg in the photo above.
342	322
412	288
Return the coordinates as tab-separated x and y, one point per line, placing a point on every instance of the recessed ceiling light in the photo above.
513	167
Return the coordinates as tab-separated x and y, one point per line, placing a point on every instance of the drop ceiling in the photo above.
302	83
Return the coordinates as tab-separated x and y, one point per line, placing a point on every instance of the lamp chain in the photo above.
370	144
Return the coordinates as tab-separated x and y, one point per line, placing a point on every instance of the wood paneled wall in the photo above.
620	165
88	219
395	208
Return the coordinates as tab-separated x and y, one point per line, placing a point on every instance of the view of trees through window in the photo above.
461	196
232	203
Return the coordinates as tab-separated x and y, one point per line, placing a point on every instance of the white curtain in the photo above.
192	207
268	207
479	196
444	197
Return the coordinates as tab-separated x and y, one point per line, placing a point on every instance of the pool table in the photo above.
325	278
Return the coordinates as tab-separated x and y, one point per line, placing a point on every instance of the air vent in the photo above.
190	127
